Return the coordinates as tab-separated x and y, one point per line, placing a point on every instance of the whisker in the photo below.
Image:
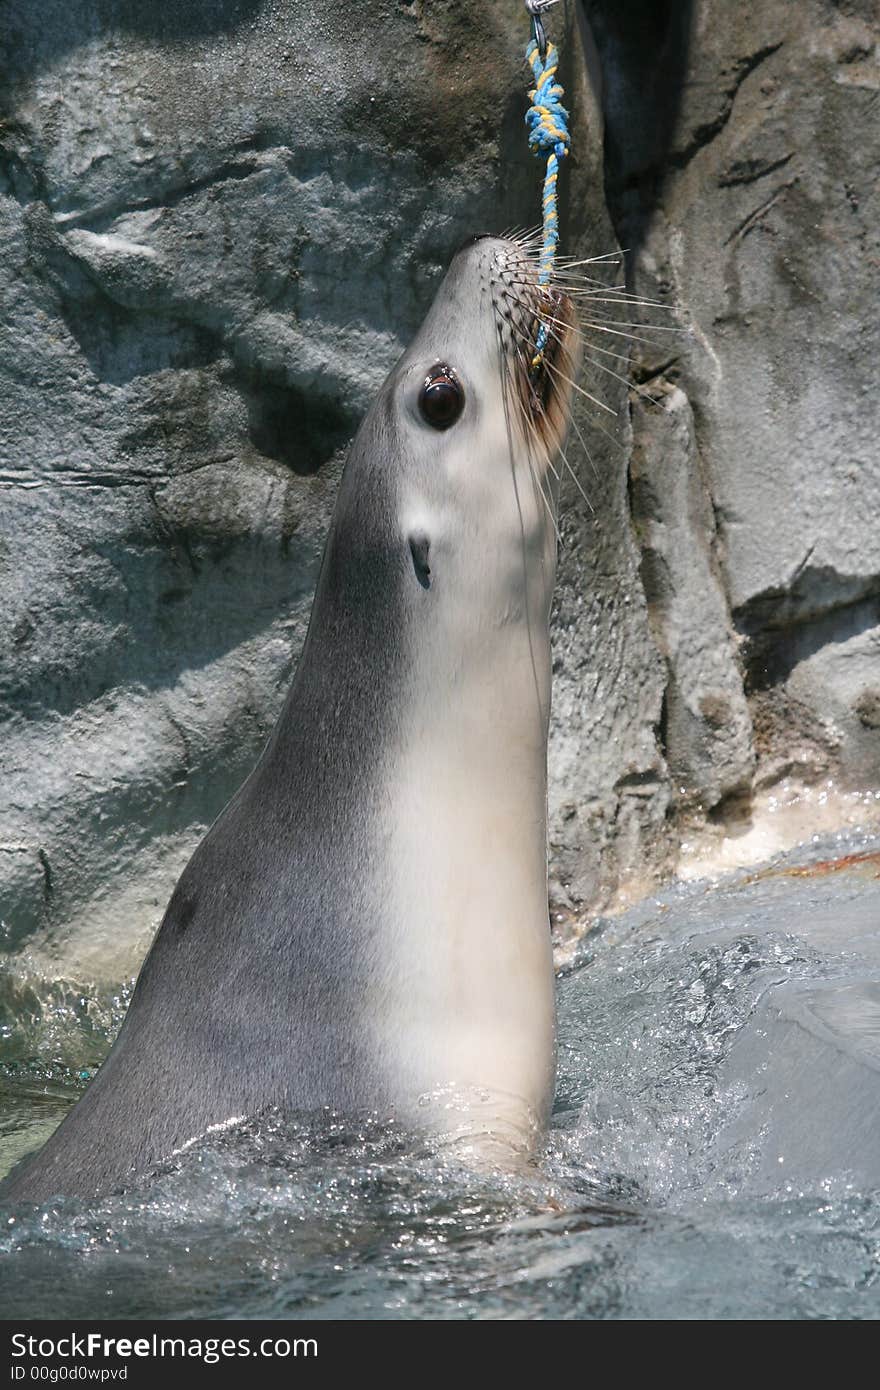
526	304
562	375
577	481
577	430
531	432
625	381
627	323
591	348
575	328
610	294
536	484
573	384
502	365
506	382
531	427
594	423
563	454
607	256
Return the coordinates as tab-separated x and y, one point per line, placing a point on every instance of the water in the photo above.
714	1151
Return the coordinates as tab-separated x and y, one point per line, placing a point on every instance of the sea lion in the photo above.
365	926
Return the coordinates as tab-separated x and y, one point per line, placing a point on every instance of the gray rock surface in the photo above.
708	729
748	190
220	222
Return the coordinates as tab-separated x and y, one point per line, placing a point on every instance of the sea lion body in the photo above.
365	926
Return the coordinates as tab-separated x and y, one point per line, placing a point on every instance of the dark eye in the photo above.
441	399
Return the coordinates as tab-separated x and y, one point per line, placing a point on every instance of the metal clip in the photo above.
536	9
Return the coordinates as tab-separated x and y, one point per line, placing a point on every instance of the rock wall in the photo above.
220	224
742	161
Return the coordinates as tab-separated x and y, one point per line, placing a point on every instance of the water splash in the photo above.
657	1196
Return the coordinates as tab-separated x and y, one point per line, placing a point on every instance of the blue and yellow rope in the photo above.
547	120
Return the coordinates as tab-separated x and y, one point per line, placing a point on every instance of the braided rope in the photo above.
547	120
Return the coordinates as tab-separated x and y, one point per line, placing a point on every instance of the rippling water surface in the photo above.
714	1153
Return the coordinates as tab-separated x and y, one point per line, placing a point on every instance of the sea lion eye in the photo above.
441	399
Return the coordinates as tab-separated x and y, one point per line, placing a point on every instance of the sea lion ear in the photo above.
419	546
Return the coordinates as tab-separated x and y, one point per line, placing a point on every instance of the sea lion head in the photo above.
467	429
483	326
